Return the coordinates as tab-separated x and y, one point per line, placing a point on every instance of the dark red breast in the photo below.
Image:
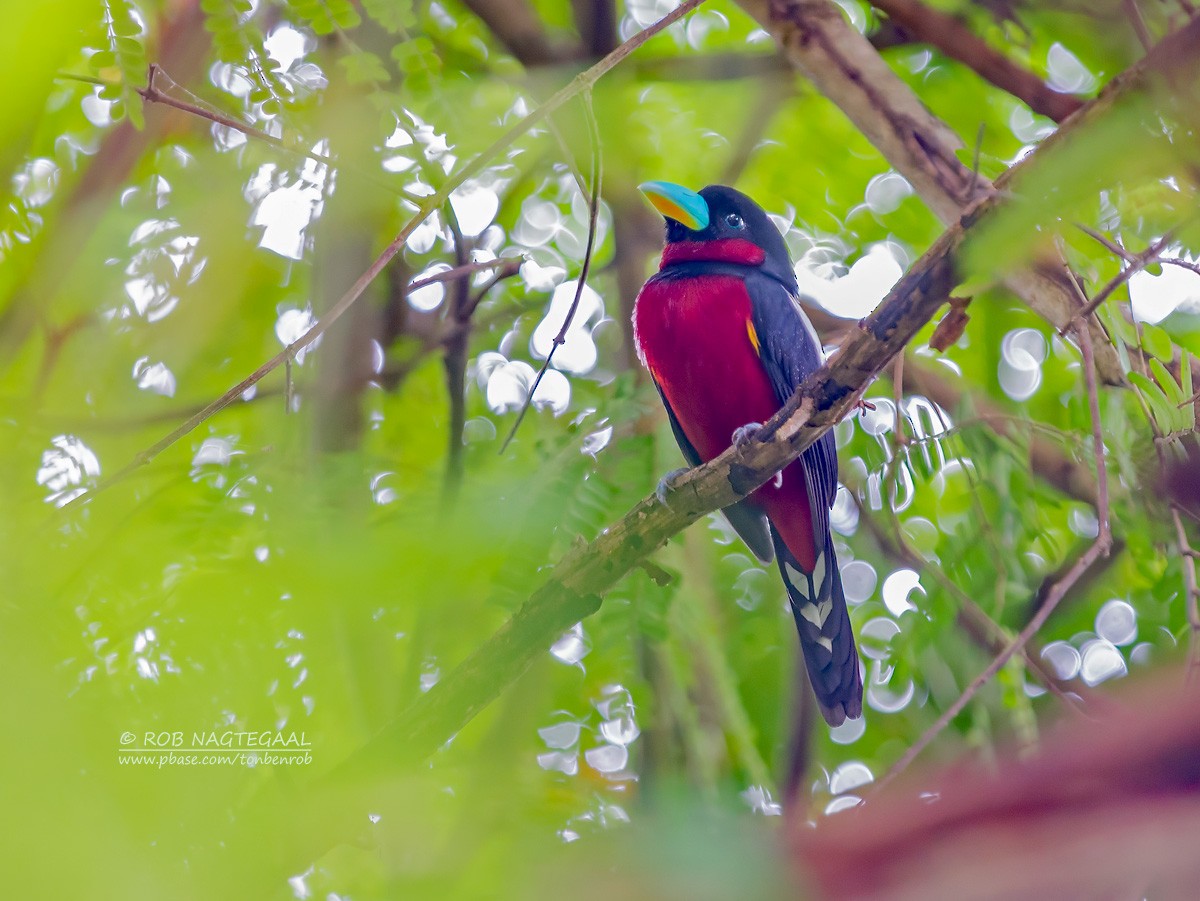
696	337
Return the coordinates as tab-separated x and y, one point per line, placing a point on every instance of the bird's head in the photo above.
719	225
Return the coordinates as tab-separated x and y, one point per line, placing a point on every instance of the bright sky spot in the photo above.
1022	352
475	206
578	354
859	291
1117	622
508	385
291	326
885	192
896	589
154	377
64	468
428	297
1067	73
286	45
1101	662
1155	297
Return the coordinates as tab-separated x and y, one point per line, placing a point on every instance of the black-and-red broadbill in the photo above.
721	331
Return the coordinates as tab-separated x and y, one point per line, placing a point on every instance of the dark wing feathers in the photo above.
790	351
747	520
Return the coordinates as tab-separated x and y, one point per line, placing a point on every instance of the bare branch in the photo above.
151	94
817	40
1187	563
1137	262
953	38
1138	23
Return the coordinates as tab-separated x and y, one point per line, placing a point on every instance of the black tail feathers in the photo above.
826	639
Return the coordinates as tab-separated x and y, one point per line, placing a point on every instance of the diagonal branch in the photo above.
953	38
818	41
574	587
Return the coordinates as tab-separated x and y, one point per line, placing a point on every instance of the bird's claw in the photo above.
862	406
666	483
743	435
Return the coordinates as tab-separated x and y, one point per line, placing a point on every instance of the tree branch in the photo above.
954	39
818	41
573	588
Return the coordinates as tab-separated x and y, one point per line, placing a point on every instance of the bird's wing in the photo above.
746	518
790	352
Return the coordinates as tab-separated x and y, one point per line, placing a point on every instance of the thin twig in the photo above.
898	399
975	159
953	38
85	79
1188	563
450	275
1097	549
508	268
1112	246
580	83
971	618
1183	264
1138	21
152	94
1139	262
289	387
454	362
593	214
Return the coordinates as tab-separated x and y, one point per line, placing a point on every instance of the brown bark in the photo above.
843	65
1108	808
953	38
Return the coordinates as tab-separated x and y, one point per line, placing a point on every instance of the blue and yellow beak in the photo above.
686	207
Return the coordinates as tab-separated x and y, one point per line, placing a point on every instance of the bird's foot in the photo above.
743	435
666	483
862	406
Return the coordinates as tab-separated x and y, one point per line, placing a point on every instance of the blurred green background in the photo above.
326	550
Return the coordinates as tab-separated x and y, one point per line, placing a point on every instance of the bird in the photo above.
720	329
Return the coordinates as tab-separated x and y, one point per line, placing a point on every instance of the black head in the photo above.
720	224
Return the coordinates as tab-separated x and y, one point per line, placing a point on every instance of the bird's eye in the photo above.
733	220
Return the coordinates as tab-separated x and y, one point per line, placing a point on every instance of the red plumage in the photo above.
694	335
723	336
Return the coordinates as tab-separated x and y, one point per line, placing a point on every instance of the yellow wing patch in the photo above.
753	336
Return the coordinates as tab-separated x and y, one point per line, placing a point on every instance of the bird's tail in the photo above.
819	608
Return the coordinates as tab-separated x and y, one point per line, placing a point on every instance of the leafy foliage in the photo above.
305	560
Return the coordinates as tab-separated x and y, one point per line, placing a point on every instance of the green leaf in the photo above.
1157	342
1160	407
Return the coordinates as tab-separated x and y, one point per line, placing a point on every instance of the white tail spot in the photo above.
812	614
824	610
826	643
797	578
818	575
